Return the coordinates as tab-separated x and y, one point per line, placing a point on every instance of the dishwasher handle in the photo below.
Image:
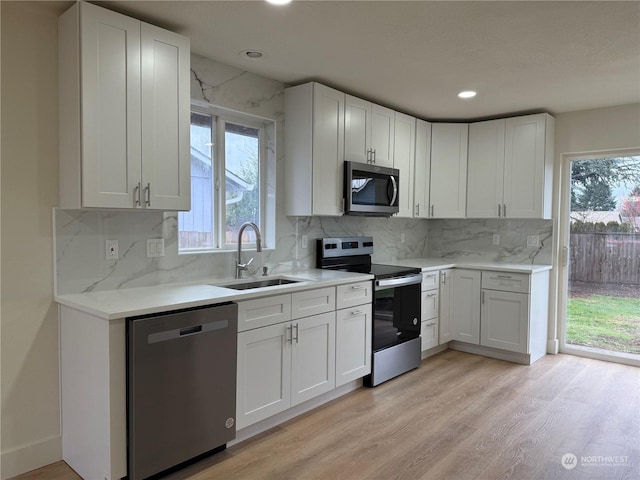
177	333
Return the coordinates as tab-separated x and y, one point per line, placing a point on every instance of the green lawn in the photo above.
611	323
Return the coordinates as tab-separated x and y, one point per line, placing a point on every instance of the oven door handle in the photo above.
399	282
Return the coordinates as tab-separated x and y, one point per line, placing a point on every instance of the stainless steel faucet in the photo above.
245	266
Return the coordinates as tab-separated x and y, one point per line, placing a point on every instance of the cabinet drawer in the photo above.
354	294
430	280
508	282
263	311
429	334
313	302
430	304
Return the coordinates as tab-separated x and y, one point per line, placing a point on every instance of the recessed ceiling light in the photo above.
253	54
279	2
467	94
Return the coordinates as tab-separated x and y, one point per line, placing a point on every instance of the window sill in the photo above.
223	250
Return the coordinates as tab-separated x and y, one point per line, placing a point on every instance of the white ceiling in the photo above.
415	56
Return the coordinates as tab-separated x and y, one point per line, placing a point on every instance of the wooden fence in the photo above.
605	258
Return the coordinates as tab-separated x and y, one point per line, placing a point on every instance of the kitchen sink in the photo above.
270	282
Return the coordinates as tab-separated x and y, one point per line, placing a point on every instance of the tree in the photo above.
596	196
630	209
591	181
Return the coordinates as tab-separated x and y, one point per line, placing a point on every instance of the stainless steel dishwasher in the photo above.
181	386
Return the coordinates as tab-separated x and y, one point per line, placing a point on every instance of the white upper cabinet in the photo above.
404	160
368	132
486	169
422	169
448	182
314	149
510	168
123	112
528	166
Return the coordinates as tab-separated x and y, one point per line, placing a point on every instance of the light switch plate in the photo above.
305	241
402	238
496	239
155	247
111	249
533	241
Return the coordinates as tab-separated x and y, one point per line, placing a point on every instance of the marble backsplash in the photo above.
80	234
473	239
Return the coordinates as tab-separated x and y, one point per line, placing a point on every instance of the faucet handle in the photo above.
249	262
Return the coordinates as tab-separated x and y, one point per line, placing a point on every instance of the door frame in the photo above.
564	195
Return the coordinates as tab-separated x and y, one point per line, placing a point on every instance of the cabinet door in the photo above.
353	343
422	169
505	320
382	135
429	334
524	167
466	306
328	151
486	169
404	160
445	332
264	373
110	100
357	129
448	170
313	357
166	157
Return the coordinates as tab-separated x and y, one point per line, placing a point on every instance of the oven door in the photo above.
370	189
396	311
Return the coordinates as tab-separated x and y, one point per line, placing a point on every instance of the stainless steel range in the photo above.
396	305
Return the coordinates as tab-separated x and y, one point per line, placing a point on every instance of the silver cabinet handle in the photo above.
482	297
357	287
417	209
356	312
289	337
395	189
374	156
136	193
147	195
499	210
503	276
444	278
431	295
297	333
504	209
432	209
369	156
430	324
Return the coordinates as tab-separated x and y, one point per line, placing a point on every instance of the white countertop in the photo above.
426	264
128	302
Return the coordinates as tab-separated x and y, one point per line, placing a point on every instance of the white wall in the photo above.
584	132
29	329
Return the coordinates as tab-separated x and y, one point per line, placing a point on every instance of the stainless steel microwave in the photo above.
370	189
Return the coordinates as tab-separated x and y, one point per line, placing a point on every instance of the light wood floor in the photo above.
459	416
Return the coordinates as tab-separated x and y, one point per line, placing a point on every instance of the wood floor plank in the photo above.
458	417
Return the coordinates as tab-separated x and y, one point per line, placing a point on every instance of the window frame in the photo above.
221	117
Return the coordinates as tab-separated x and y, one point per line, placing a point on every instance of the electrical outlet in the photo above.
111	249
533	241
305	241
496	239
402	238
155	247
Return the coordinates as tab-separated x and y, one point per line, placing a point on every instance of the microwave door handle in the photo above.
395	190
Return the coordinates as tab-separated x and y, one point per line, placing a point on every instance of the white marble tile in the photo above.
80	235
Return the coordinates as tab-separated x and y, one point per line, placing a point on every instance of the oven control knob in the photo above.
415	321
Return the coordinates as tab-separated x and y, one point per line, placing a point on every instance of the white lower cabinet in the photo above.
264	373
297	359
445	332
466	306
505	320
429	310
353	343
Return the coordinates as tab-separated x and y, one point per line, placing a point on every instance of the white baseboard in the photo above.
25	458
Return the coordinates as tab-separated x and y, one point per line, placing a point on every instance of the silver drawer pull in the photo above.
431	295
503	276
357	287
356	312
431	324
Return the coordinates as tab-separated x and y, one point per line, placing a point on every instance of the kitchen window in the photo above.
230	163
